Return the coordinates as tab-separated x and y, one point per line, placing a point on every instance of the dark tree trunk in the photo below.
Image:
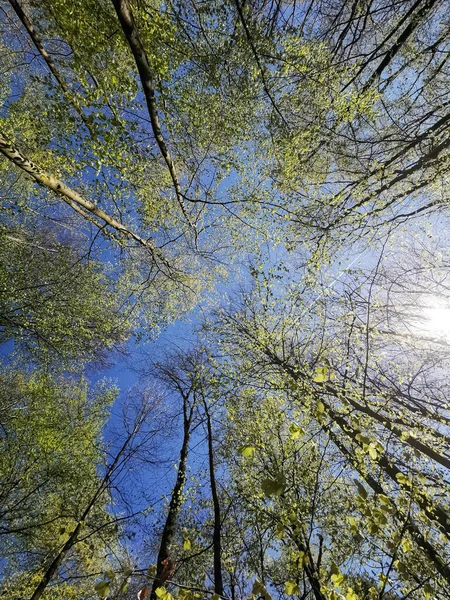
168	534
218	578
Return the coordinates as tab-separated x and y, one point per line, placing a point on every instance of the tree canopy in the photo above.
265	183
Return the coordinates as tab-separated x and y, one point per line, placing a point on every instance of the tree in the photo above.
151	150
51	434
57	305
399	455
60	518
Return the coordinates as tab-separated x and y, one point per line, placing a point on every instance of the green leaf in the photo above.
246	451
354	528
407	545
291	588
299	557
384	499
361	489
102	589
274	486
403	479
321	374
280	531
163	594
401	567
338	579
258	589
374	528
320	411
372	451
295	431
334	569
380	517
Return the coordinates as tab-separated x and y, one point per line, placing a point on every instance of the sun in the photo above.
436	322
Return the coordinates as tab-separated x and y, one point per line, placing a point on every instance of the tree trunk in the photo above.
218	578
174	507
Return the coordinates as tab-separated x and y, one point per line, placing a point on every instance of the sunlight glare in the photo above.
436	322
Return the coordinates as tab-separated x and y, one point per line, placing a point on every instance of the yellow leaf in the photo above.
338	579
246	451
372	452
407	545
295	431
163	594
320	375
291	588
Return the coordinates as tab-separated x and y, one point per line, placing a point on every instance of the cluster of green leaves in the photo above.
50	456
330	432
54	304
309	127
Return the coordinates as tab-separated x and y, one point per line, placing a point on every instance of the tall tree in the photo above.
398	454
51	446
179	374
